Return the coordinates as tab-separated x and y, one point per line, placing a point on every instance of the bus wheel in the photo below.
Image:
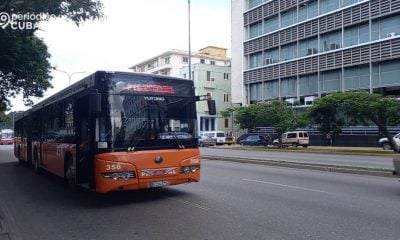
69	172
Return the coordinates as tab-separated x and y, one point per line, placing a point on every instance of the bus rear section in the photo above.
6	137
146	169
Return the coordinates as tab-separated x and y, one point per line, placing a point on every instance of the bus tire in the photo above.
69	169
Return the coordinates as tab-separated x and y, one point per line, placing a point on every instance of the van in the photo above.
218	136
294	138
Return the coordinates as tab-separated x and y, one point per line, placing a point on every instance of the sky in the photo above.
131	32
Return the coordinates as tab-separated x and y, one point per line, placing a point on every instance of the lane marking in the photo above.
191	204
283	185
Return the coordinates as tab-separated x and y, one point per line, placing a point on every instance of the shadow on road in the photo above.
19	181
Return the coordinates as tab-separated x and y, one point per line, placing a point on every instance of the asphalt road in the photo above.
232	201
332	159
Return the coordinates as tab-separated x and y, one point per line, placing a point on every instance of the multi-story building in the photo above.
170	62
211	73
302	49
215	81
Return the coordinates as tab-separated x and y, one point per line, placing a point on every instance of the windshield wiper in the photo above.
135	142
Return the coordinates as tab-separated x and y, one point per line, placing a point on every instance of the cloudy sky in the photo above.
132	31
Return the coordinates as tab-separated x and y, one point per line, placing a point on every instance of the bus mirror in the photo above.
211	107
95	102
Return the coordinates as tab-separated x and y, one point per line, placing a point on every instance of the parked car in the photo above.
218	136
384	142
242	137
205	141
255	140
294	138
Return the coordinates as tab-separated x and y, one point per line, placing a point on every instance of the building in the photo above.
215	81
211	73
298	50
170	62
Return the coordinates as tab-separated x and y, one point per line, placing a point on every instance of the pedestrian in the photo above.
329	139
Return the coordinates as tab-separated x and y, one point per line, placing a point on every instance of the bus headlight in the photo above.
119	175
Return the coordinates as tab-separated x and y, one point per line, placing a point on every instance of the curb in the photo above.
310	166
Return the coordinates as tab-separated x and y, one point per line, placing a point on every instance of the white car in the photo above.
384	142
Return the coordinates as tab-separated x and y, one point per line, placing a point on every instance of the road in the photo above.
232	201
332	159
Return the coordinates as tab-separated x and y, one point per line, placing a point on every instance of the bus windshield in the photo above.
157	118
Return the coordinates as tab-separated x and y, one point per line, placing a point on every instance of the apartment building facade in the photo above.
211	73
298	50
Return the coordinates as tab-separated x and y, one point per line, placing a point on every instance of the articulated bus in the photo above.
115	131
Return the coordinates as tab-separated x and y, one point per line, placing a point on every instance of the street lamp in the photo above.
190	52
68	74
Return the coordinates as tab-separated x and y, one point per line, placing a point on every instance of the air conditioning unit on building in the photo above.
268	61
311	51
392	34
334	46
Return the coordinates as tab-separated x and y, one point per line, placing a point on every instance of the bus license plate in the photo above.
159	184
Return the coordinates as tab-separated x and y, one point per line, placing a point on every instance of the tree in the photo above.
275	114
360	107
24	58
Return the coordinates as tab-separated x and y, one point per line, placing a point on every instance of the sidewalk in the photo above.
329	167
370	151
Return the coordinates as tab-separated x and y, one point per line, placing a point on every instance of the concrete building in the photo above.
298	50
170	62
211	73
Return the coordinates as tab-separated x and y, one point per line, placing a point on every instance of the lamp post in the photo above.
68	74
190	52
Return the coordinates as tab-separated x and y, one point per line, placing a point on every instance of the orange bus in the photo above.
115	131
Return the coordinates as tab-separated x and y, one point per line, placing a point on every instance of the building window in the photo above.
226	75
386	28
289	18
356	77
255	30
356	35
331	81
349	2
226	97
208	76
202	61
185	59
308	10
271	56
328	5
271	24
289	87
256	60
331	41
271	89
308	47
308	84
226	123
289	52
253	3
167	60
212	62
255	92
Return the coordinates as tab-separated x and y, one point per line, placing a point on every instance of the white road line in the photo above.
286	186
191	204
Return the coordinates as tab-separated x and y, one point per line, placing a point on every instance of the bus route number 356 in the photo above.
112	167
